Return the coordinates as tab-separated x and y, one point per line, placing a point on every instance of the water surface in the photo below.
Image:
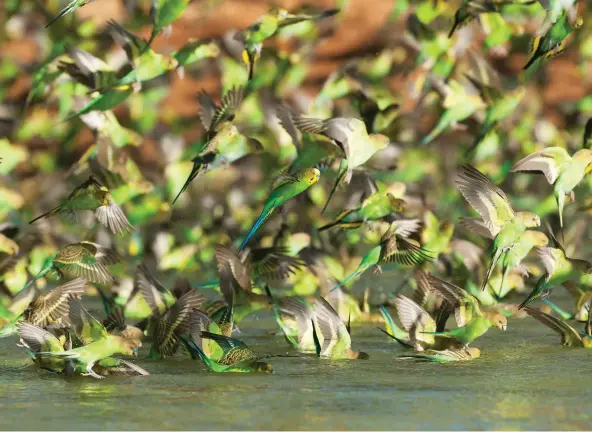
524	380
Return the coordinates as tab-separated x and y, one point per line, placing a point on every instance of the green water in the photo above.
524	380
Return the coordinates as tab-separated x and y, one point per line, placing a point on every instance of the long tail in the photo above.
434	133
347	279
496	256
194	172
342	172
535	293
53	212
267	211
454	26
63	12
392	329
564	315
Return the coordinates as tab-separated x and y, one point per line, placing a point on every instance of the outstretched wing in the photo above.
569	336
549	161
486	198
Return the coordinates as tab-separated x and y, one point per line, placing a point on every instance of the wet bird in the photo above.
569	336
92	196
288	187
332	337
99	344
560	169
294	317
237	357
504	224
559	269
472	320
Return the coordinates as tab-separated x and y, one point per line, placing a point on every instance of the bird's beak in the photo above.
504	326
136	352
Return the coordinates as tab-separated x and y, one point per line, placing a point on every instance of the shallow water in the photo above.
524	380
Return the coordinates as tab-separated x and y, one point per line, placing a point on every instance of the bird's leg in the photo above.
167	30
545	293
377	269
137	86
92	373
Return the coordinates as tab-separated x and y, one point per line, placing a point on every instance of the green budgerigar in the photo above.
500	104
85	259
471	9
561	170
569	336
93	196
224	143
553	42
458	106
331	336
393	248
265	27
237	356
559	269
99	343
351	136
289	187
471	319
377	206
503	223
70	7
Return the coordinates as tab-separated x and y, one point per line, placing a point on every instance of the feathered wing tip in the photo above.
126	368
69	8
112	217
35	338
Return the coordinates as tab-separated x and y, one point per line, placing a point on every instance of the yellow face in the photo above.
397	204
584	155
130	346
213	49
579	22
172	63
381	140
475	352
311	175
500	321
540	239
530	219
279	13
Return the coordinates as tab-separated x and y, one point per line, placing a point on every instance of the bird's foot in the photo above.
137	87
167	31
377	269
571	197
545	293
93	374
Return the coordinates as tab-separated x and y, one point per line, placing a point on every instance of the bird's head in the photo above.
279	13
499	321
584	155
529	219
579	22
132	333
130	346
397	204
539	239
171	63
311	175
263	367
381	141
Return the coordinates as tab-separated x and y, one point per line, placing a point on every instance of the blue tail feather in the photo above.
262	218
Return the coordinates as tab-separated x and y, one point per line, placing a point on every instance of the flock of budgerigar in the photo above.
291	198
